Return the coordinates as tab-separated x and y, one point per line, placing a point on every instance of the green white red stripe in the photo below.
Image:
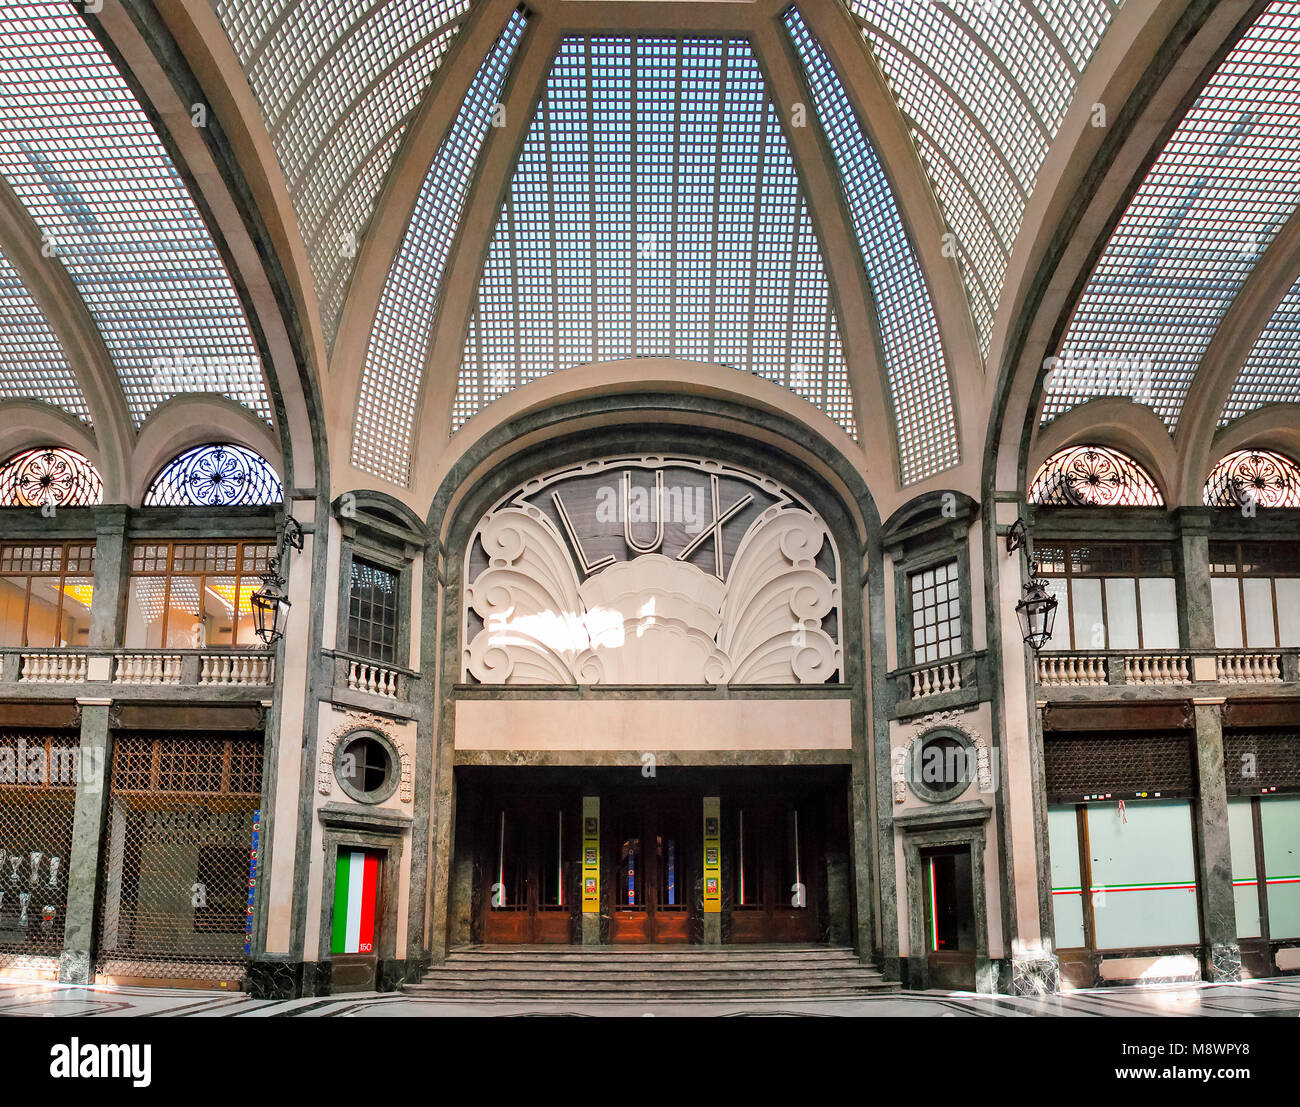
356	886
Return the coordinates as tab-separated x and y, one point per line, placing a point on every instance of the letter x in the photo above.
715	531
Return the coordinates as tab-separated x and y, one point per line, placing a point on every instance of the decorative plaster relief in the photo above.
352	722
730	580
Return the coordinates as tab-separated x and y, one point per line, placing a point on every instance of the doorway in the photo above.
529	885
358	908
948	902
652	847
775	893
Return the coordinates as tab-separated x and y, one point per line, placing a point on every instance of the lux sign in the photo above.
608	510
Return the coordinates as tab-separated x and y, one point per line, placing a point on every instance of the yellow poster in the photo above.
590	855
712	855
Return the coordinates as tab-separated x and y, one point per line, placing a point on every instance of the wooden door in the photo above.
528	893
775	878
652	849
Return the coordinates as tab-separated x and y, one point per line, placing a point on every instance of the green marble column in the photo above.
1214	877
77	962
1195	605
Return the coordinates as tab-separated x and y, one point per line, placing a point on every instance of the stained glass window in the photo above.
1093	476
220	475
50	476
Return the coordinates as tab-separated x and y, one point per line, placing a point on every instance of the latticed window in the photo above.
372	611
1253	478
191	595
45	593
1254	585
50	476
936	613
1116	595
1093	476
220	475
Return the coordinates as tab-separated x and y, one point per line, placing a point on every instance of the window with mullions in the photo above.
1252	585
1117	595
372	611
191	595
936	613
45	592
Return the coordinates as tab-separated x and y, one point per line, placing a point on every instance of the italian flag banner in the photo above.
356	882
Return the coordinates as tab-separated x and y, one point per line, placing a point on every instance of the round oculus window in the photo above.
365	767
941	766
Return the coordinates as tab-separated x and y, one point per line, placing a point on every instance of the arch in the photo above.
1272	427
1253	476
195	419
29	423
215	474
50	476
1089	475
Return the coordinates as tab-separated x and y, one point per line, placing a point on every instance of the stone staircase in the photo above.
645	973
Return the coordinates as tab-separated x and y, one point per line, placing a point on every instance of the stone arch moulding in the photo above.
353	722
30	423
940	721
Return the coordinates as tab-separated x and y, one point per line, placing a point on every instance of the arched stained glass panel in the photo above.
50	476
1093	476
217	475
1258	477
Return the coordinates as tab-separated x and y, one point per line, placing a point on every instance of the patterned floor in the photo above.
1279	997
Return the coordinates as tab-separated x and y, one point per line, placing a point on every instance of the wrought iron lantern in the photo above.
270	603
1037	613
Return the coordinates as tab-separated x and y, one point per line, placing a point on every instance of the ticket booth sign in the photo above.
590	855
712	855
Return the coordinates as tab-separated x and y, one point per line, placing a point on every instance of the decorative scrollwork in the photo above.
1093	476
217	475
1258	477
50	476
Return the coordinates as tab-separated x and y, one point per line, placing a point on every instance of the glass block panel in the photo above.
909	332
1269	374
338	84
81	154
983	87
394	366
655	211
1211	204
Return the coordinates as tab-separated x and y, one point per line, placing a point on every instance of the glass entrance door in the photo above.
775	889
653	875
529	890
949	909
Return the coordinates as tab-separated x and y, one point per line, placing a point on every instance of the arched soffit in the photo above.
337	86
1148	83
1120	424
1273	427
194	420
654	423
27	424
984	89
218	181
1218	192
81	154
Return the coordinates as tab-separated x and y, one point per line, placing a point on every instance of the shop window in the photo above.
1253	586
372	611
45	593
936	613
1124	875
194	595
1267	829
1114	595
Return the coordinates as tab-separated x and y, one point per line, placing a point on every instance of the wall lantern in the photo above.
270	603
1037	613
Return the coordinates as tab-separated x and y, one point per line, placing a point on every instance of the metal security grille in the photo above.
176	865
1259	762
38	785
1121	766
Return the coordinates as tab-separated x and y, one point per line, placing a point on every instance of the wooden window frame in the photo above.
1241	576
1132	572
61	574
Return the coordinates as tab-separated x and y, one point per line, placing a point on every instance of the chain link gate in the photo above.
38	788
173	896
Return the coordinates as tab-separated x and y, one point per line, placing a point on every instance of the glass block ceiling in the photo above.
655	211
79	152
1228	178
1271	373
909	333
983	87
32	362
393	370
338	82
